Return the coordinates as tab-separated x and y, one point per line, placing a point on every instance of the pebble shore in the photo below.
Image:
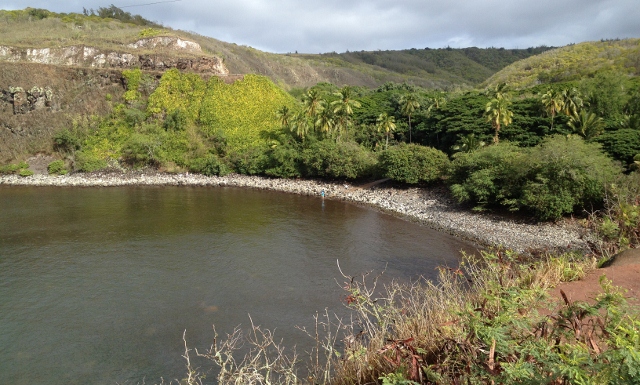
432	207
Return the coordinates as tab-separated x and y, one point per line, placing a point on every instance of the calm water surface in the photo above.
98	284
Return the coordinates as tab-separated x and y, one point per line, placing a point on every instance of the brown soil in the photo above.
623	275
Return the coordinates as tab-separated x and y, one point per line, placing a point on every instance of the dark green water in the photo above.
98	284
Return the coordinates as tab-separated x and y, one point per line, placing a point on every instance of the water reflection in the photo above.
97	285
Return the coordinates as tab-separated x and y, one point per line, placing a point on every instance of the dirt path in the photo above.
625	275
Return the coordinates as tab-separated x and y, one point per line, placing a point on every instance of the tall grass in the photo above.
488	321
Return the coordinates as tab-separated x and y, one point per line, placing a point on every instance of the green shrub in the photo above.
134	117
283	161
412	163
140	150
622	144
337	160
248	162
565	174
209	165
89	162
25	172
13	168
557	177
57	168
175	121
66	141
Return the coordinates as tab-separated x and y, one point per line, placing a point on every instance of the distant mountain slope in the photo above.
433	68
571	63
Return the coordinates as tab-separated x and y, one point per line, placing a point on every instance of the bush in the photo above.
13	168
209	165
565	174
175	121
25	172
56	168
622	144
248	162
89	162
412	163
140	151
283	161
487	176
337	160
557	177
66	141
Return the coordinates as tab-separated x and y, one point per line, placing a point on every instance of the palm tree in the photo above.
343	107
408	105
587	124
469	143
553	103
386	123
284	116
571	101
300	125
497	112
312	103
325	121
436	102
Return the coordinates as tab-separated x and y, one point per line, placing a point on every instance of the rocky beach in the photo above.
432	207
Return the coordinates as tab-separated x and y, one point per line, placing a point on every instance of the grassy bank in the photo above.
488	321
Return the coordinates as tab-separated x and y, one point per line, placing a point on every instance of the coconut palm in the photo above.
300	125
553	102
312	103
498	113
571	101
343	107
386	123
325	121
284	116
408	105
586	124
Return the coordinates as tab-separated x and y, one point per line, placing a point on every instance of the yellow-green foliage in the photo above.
571	63
106	142
133	78
242	112
178	91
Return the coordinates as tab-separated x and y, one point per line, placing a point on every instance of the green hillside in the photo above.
572	62
113	29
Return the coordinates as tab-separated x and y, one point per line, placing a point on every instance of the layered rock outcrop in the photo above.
86	56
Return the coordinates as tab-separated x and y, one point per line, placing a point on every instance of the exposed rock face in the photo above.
168	42
85	56
37	98
211	65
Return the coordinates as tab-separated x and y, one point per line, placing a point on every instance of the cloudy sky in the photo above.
315	26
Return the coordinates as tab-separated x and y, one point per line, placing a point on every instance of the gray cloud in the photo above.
316	26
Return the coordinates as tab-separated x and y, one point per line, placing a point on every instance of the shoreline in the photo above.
431	207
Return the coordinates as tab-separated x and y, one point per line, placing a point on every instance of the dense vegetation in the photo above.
553	135
554	150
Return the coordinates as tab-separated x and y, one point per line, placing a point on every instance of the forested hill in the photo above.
111	29
464	66
571	63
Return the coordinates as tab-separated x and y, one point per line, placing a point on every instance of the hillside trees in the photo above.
498	109
408	105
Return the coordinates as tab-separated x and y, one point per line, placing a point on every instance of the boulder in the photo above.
627	257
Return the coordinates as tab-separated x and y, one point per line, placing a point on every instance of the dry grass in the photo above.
398	330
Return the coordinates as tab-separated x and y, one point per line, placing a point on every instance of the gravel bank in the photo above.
431	207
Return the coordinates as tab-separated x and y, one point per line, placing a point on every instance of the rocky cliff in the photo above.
137	55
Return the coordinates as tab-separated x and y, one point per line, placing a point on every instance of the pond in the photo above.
97	285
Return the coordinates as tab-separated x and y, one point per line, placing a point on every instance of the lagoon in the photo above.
97	285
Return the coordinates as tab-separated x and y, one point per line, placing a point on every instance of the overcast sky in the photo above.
318	26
